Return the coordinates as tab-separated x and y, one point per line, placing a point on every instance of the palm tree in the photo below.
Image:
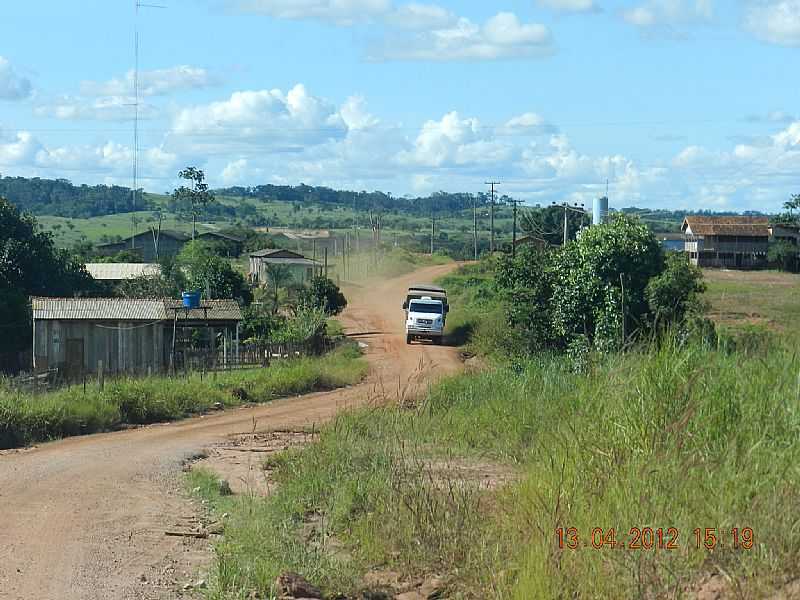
278	276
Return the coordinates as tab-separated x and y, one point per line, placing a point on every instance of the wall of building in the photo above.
122	346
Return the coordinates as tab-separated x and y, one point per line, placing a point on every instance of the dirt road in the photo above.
85	518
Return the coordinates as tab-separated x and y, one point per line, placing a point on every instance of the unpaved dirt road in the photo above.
84	518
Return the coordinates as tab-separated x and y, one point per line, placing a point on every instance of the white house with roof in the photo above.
301	269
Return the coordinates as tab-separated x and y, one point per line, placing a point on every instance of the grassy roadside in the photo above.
680	438
29	419
394	263
676	436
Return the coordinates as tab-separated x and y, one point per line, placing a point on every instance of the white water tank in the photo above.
599	210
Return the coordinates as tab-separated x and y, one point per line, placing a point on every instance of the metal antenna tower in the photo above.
135	191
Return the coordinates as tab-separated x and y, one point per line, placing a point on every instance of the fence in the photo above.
187	362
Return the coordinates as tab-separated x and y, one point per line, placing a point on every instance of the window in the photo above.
425	307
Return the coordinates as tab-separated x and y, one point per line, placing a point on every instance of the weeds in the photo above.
675	436
26	419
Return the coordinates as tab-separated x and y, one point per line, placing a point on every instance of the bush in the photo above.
325	294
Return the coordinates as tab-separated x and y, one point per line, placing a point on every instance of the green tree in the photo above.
676	291
212	275
325	294
278	276
196	195
30	265
784	254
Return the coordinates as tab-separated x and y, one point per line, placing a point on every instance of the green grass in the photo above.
744	300
28	419
366	266
668	437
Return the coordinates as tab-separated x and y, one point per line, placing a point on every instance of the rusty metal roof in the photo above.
726	226
124	309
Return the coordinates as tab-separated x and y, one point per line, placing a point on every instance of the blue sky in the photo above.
677	103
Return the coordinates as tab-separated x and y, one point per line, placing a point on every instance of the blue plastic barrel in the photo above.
191	299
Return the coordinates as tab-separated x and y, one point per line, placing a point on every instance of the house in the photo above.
149	245
734	242
301	269
230	245
115	273
131	335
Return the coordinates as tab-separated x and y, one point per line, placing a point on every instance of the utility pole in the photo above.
566	225
433	230
475	226
491	215
514	229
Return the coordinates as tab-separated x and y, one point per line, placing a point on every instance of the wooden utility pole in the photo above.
491	215
433	231
475	226
514	229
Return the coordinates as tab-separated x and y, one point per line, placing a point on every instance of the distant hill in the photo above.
61	198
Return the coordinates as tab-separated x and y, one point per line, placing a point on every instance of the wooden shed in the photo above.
127	335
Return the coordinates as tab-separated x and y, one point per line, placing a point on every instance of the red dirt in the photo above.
84	518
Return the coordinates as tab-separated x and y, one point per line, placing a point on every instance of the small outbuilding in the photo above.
75	335
301	269
149	245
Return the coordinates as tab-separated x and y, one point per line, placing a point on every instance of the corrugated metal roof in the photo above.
121	271
726	225
219	310
276	253
98	309
124	309
176	235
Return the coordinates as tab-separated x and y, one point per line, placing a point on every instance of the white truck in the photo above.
426	312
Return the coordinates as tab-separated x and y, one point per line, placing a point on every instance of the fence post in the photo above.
101	380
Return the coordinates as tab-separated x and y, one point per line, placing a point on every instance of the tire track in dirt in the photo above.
84	518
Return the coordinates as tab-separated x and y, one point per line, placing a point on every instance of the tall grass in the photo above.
26	419
682	437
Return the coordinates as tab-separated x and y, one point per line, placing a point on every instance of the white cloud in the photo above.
574	6
12	85
502	36
420	16
266	118
108	108
774	116
669	13
527	124
19	149
776	22
340	12
158	82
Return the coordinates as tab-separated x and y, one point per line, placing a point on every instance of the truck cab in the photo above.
425	319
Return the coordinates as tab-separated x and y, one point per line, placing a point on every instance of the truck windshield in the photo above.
424	307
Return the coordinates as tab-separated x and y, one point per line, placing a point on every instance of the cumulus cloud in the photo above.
775	22
19	149
573	6
158	82
502	36
12	85
669	13
269	118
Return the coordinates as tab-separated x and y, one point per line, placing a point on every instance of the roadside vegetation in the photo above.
659	424
27	419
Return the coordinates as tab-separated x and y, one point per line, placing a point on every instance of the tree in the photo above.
30	265
212	275
605	288
197	195
325	294
277	276
784	254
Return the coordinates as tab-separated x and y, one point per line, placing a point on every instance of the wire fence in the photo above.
187	362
